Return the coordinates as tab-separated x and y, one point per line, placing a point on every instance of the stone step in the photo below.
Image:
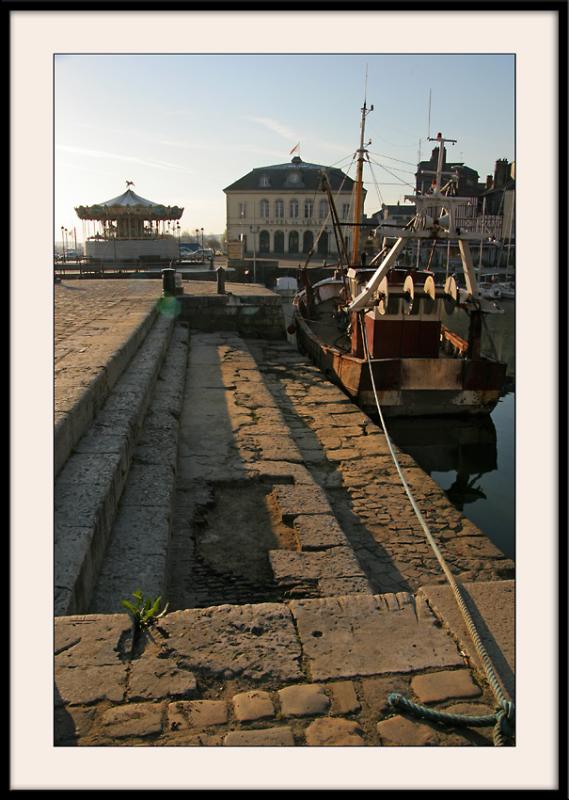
324	564
89	487
136	556
83	390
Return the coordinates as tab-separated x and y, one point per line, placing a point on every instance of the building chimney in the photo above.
489	181
500	173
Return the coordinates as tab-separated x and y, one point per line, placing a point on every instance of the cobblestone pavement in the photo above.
296	564
259	410
259	675
347	454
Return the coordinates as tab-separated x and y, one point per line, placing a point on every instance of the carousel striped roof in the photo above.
129	198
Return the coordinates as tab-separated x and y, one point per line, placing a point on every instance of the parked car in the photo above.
201	255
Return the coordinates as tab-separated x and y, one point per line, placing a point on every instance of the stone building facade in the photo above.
281	211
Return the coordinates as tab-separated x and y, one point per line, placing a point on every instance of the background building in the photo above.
281	210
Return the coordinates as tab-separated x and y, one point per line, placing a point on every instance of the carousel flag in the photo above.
295	148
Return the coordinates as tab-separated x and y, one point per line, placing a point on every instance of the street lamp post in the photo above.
254	232
203	253
63	242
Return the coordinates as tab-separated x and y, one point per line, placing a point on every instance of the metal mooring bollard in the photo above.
168	282
220	272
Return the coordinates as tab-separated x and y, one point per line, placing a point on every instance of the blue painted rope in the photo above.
502	719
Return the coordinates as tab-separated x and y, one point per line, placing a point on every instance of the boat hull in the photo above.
408	386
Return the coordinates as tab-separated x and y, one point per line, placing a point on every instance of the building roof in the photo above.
399	210
297	174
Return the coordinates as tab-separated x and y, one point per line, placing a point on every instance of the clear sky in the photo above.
183	127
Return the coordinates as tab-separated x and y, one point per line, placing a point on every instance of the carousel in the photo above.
129	228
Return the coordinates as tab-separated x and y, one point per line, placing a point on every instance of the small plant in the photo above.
145	611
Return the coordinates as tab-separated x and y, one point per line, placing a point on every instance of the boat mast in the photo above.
358	201
440	161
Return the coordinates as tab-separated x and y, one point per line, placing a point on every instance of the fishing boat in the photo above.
376	328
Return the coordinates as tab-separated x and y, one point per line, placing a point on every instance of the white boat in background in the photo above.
507	290
490	291
499	290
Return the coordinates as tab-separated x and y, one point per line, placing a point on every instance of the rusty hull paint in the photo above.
410	386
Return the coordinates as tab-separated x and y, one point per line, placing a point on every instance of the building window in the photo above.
279	209
242	210
307	241
264	209
308	209
293	242
323	244
264	242
279	240
293	209
345	210
323	209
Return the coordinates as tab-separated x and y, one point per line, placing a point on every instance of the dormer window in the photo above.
294	178
264	181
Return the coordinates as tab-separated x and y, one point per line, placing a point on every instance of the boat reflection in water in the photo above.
465	447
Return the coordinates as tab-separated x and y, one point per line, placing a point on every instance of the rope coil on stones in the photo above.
504	716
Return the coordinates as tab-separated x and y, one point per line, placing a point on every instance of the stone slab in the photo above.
304	700
319	532
334	733
257	642
279	472
355	635
295	500
152	678
437	687
196	715
291	568
133	720
249	706
96	640
492	605
402	732
266	737
344	698
86	685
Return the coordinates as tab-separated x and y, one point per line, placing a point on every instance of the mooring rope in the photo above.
503	718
